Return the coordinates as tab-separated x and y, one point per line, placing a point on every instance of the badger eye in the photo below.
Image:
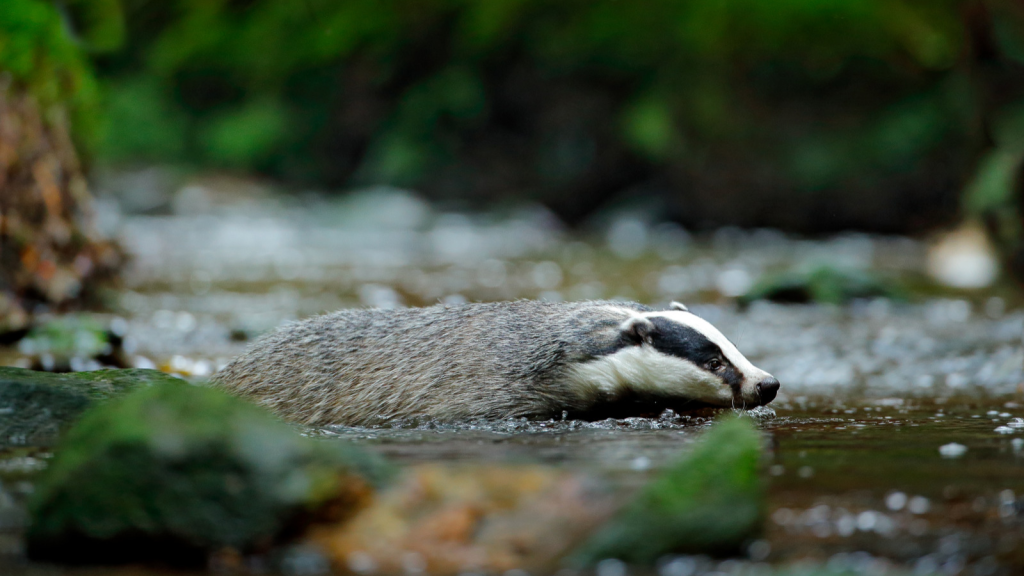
714	365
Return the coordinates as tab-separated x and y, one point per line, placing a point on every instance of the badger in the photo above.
483	361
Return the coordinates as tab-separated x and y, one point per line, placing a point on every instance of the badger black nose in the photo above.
767	389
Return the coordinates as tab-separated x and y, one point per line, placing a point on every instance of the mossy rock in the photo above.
824	284
35	406
172	472
709	502
65	337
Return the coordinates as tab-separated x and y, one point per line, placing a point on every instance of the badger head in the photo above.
679	357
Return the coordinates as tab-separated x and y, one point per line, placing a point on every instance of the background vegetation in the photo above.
810	115
40	55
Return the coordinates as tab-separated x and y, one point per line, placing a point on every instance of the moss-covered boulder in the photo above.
55	344
825	284
172	472
35	406
709	502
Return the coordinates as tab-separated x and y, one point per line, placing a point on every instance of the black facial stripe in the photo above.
731	376
685	342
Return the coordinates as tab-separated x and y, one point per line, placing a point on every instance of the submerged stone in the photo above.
35	406
709	502
172	472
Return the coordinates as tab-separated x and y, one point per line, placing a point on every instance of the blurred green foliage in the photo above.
876	109
40	54
144	123
996	192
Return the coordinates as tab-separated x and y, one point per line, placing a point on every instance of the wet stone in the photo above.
36	406
174	472
488	519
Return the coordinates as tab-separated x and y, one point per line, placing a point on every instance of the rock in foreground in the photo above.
172	472
457	519
35	406
710	502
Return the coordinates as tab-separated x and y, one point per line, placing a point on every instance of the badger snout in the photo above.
767	389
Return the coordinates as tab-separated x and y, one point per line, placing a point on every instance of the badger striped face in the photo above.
676	354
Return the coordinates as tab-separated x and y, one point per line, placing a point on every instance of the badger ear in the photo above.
678	306
637	330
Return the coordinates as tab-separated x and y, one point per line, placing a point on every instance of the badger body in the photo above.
365	367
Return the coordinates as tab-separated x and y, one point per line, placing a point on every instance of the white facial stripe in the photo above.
644	369
714	335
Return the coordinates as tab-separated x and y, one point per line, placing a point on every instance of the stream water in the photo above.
896	443
855	485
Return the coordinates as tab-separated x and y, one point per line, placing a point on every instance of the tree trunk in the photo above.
51	258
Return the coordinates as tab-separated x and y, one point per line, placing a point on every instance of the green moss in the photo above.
36	406
172	471
44	58
825	284
709	502
67	336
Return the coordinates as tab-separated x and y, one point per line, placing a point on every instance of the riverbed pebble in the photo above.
952	450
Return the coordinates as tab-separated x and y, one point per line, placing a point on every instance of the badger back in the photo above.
443	362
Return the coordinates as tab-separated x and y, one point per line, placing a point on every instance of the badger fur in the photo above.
499	360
